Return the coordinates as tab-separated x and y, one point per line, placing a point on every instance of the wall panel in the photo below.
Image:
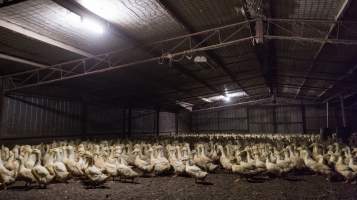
289	119
24	116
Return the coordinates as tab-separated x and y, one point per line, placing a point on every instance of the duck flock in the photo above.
96	162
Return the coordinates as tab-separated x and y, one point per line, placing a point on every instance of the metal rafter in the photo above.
75	7
339	15
23	31
334	85
261	49
113	60
190	29
106	62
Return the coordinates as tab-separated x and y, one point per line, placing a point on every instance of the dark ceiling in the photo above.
307	53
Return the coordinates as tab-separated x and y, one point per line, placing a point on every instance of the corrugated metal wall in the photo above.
184	121
143	122
110	120
220	120
289	119
167	123
39	117
104	120
269	119
261	119
36	117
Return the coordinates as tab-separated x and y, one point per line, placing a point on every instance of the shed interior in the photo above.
92	69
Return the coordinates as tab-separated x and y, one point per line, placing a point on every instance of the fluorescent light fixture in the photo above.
107	9
200	59
227	97
92	25
73	18
185	105
206	100
84	23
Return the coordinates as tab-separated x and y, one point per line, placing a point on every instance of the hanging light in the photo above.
93	25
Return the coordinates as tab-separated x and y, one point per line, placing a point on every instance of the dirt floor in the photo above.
219	186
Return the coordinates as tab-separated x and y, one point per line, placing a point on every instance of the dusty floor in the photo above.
222	186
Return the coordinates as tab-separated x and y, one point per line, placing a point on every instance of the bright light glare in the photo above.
227	97
73	18
185	105
92	25
104	8
84	23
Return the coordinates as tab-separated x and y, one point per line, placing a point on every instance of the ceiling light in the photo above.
206	100
92	25
73	18
104	8
84	23
186	105
200	59
227	99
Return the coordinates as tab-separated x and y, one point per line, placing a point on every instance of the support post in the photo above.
303	115
176	123
218	122
248	128
274	120
343	111
84	117
327	114
1	106
158	122
124	122
129	121
343	133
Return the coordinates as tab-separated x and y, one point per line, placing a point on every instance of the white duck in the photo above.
7	177
125	171
42	175
94	174
25	174
195	172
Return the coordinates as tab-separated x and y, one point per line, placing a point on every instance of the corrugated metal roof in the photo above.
144	19
50	19
148	21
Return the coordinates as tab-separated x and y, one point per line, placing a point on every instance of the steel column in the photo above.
84	117
157	121
176	123
247	114
343	111
275	124
129	121
327	114
303	115
124	122
1	106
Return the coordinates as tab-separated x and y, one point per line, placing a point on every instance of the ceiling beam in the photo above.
77	8
190	29
23	31
264	50
29	62
4	3
340	79
339	15
22	61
